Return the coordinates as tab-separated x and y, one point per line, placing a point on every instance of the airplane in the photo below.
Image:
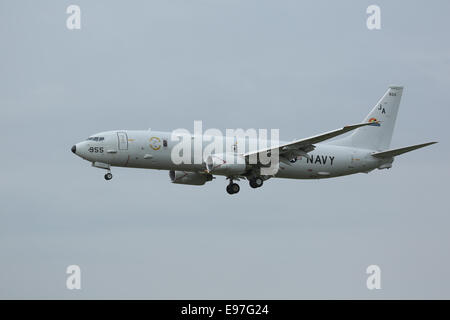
315	157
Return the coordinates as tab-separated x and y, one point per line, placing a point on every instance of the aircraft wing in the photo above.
295	148
397	152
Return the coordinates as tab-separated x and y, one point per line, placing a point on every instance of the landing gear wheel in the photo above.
233	188
256	182
108	176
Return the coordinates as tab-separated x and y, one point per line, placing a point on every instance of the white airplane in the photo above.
366	149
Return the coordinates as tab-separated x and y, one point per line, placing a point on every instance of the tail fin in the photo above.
384	113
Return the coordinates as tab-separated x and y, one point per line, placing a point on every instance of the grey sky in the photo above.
302	66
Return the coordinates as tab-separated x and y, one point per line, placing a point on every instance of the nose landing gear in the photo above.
101	165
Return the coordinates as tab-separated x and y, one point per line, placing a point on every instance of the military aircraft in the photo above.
315	157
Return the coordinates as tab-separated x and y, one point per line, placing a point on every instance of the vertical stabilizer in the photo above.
384	113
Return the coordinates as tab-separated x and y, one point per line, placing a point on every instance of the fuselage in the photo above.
153	150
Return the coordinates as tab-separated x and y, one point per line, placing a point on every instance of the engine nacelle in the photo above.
192	178
226	164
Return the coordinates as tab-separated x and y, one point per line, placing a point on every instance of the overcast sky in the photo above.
304	67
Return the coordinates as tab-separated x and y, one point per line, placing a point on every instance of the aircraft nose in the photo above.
74	149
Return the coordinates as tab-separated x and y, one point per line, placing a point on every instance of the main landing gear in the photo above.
256	182
233	188
108	176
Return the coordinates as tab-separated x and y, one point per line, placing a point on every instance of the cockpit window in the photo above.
96	138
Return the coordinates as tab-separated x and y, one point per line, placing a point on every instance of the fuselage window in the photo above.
96	138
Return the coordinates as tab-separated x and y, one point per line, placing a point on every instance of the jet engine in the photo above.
226	164
192	178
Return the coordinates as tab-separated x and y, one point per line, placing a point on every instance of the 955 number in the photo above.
96	149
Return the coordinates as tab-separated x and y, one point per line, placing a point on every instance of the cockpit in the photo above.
96	138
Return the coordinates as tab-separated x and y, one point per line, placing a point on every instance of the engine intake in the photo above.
191	178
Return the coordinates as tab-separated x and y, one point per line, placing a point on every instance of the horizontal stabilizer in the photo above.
396	152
